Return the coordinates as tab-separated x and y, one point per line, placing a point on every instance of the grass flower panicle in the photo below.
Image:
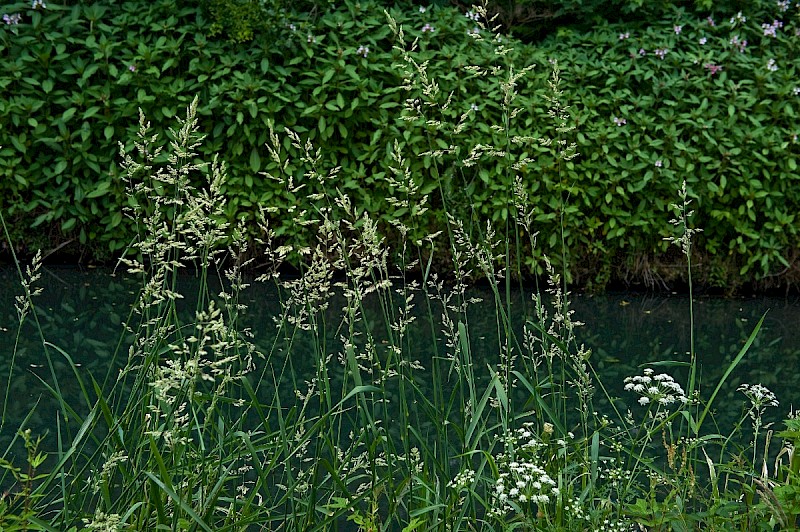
681	221
103	522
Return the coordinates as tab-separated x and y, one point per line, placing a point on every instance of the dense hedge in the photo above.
687	99
74	77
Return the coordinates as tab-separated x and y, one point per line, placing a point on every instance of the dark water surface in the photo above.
81	311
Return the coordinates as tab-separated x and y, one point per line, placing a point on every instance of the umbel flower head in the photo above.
659	389
760	396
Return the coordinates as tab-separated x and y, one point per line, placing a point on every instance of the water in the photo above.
81	311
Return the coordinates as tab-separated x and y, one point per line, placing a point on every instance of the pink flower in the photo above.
427	28
677	29
741	45
623	36
770	30
713	68
620	121
710	22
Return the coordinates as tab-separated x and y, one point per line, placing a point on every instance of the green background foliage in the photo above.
74	77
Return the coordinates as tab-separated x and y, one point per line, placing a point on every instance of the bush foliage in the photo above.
653	104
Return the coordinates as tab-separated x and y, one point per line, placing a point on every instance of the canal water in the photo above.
82	311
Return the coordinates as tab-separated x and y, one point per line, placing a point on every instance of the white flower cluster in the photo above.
521	480
463	480
575	508
760	396
660	389
738	19
616	526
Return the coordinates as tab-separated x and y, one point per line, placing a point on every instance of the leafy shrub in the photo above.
690	99
78	74
531	20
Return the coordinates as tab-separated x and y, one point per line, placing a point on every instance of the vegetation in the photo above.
681	96
202	431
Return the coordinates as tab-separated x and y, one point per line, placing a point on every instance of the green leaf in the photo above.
255	160
91	111
100	190
108	132
17	144
735	362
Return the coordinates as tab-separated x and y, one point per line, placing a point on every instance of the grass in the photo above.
203	431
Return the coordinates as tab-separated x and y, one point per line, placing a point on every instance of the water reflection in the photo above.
82	313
